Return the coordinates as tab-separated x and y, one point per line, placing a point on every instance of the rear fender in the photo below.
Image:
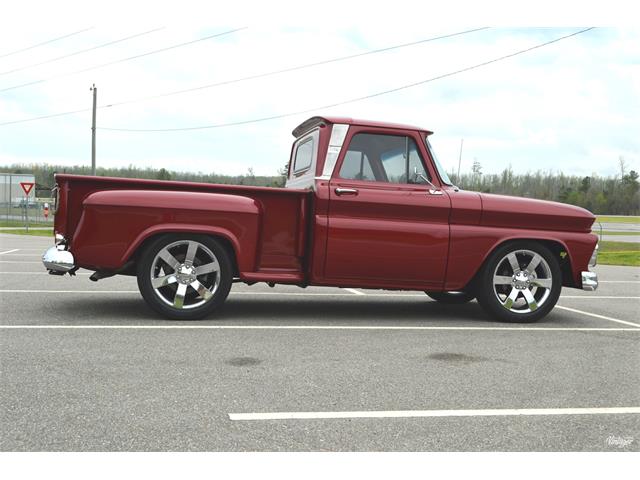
114	224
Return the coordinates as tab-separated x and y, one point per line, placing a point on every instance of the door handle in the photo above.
346	191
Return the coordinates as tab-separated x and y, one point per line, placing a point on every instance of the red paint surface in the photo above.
387	236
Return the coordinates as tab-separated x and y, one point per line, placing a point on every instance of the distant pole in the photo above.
460	158
93	130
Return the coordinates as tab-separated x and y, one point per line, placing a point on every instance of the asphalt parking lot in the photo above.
87	366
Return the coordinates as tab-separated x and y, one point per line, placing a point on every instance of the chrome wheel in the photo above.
522	281
185	274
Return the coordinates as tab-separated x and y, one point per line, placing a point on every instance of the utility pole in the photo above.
93	130
460	159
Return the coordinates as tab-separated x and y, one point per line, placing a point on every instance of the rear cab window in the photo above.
304	157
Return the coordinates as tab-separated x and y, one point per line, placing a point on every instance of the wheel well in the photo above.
556	248
564	261
133	260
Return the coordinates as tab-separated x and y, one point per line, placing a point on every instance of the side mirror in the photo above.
433	190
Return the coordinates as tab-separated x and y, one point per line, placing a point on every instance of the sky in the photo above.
572	106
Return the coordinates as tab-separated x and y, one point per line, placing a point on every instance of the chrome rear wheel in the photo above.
185	274
185	277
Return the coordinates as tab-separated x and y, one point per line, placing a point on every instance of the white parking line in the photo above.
619	281
599	297
16	261
354	291
323	294
304	294
39	273
9	251
309	327
433	413
298	294
595	315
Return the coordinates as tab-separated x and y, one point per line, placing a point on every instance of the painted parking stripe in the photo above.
312	327
600	297
9	251
40	273
304	294
300	294
582	312
595	315
619	281
17	261
502	412
354	291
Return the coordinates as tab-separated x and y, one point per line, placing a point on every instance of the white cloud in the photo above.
570	106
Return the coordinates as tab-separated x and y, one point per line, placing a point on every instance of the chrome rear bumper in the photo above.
589	281
57	260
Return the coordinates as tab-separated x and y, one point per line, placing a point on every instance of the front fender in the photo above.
115	223
471	245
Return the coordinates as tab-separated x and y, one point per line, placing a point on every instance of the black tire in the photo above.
451	298
489	293
193	304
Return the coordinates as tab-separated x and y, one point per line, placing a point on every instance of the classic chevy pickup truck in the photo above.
366	204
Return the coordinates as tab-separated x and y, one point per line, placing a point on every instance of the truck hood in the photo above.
518	212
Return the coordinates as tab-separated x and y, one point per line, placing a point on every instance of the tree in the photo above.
163	174
586	184
622	163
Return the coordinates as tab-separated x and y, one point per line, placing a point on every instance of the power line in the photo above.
353	100
252	77
42	117
45	42
171	47
291	69
51	60
274	117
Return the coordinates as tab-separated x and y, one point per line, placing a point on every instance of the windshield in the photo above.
441	171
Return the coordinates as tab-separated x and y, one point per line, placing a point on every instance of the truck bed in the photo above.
279	240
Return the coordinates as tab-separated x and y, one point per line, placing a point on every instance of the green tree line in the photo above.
614	195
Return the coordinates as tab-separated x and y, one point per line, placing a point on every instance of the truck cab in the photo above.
381	212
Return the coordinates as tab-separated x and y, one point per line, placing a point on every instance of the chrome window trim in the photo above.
338	134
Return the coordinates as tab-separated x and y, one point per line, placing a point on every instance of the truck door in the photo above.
386	223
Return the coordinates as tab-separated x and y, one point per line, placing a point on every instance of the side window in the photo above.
304	156
416	164
356	166
394	164
383	158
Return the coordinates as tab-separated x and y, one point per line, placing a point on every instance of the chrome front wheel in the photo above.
520	282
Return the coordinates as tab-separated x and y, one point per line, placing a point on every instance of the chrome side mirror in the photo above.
433	190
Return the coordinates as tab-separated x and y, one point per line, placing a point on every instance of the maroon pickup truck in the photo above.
366	205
